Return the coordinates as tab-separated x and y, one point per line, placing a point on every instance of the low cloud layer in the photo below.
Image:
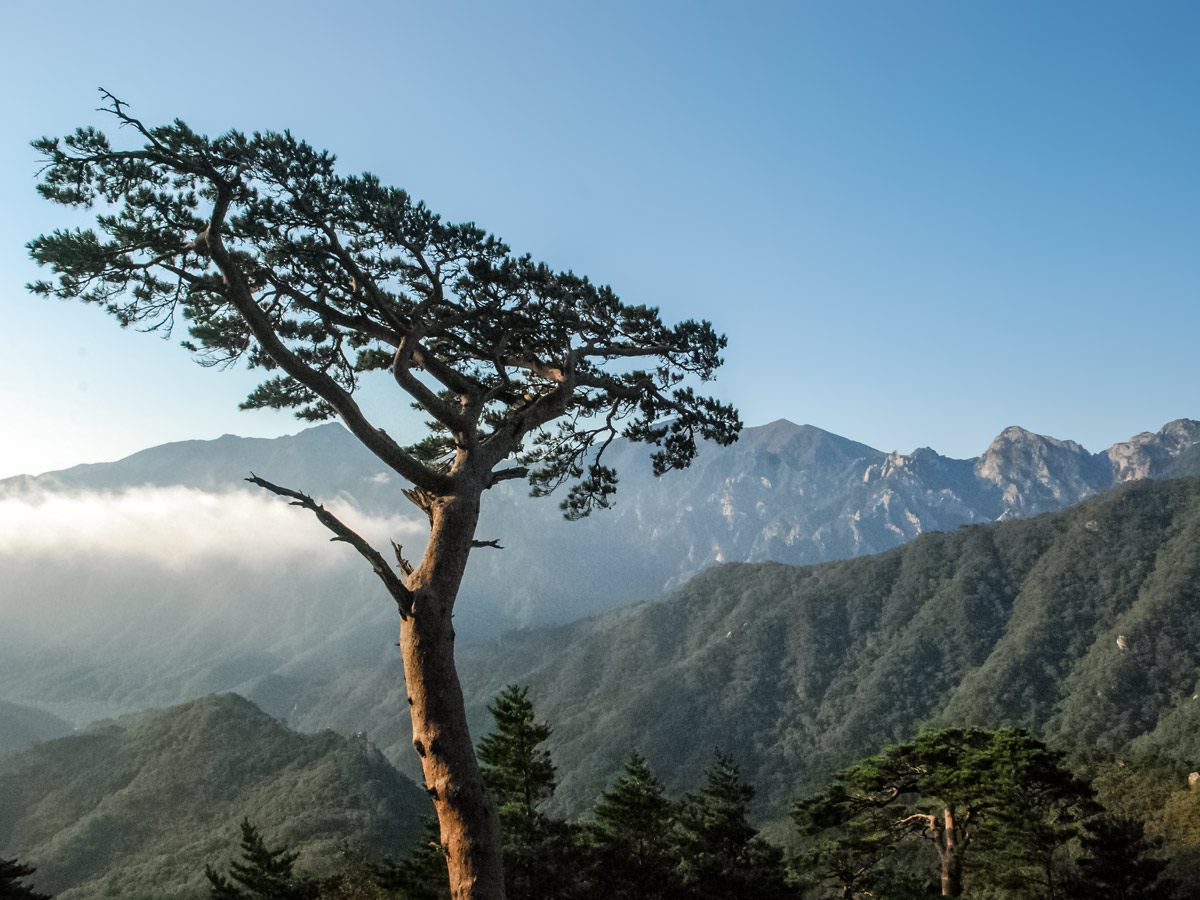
176	527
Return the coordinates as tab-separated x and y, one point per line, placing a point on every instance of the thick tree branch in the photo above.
509	474
396	587
430	402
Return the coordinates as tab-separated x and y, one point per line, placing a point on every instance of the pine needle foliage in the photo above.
12	875
262	873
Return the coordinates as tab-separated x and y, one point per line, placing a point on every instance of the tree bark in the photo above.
469	825
950	854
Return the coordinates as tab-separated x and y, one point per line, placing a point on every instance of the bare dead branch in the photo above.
396	587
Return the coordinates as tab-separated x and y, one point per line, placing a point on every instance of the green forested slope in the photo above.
1083	626
135	808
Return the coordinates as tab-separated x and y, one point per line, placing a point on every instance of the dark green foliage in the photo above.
12	875
997	808
538	850
631	846
261	873
422	874
273	258
723	858
1177	825
517	769
1118	863
139	805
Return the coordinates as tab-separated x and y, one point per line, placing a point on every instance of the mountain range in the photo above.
225	608
1077	620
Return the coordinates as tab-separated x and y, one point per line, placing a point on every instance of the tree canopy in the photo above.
274	258
997	803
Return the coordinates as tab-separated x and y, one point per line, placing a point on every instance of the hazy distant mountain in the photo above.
247	594
137	807
21	726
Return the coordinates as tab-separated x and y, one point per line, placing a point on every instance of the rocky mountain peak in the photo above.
1150	454
1035	472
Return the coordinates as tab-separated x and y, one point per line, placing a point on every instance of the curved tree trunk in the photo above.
469	825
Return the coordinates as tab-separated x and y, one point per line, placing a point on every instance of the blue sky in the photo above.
917	222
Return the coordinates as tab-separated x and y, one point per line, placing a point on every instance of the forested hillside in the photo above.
136	808
1083	626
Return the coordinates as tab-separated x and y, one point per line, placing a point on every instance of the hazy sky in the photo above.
918	222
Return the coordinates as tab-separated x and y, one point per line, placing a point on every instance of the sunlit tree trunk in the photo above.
950	847
469	826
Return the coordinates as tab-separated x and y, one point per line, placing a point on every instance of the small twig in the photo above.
495	543
395	586
404	564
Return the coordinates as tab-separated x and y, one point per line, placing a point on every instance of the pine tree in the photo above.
723	856
12	873
1117	863
539	857
997	806
275	259
262	873
519	774
632	847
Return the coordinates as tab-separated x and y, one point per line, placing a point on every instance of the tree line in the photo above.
954	813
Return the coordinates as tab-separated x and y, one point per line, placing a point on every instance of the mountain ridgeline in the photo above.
1081	625
785	493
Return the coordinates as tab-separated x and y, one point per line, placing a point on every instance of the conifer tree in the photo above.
517	769
12	874
999	804
1118	863
538	850
723	858
632	846
261	874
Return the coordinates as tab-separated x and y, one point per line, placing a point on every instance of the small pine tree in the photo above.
538	851
631	845
262	873
517	771
12	873
723	856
